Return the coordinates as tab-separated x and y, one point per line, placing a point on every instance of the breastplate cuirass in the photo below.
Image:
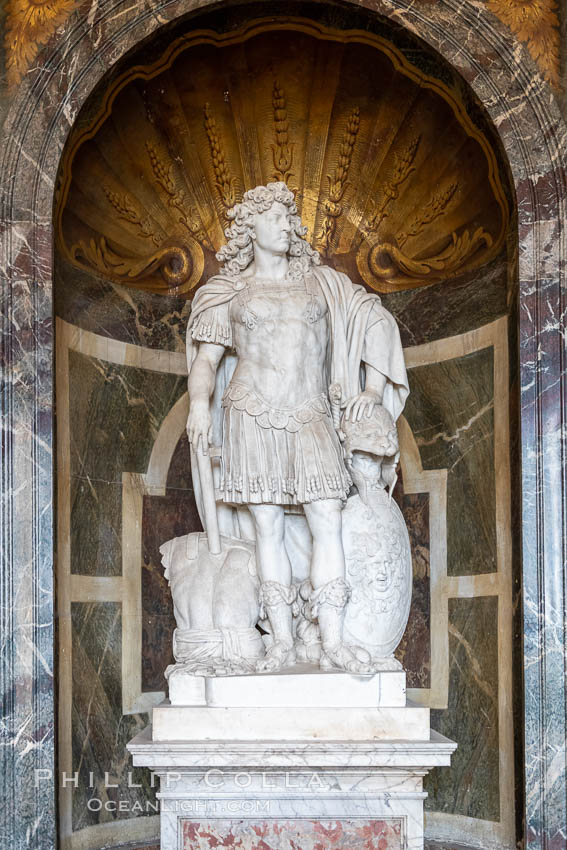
280	334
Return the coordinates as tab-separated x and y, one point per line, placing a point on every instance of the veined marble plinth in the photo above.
300	686
302	703
336	794
338	767
174	723
335	769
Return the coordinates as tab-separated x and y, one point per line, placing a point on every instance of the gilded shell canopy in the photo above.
396	183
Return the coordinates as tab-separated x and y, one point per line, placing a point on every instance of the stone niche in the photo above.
400	180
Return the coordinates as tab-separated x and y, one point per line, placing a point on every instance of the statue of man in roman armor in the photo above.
268	336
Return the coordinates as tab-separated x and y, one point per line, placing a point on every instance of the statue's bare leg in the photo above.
277	595
330	590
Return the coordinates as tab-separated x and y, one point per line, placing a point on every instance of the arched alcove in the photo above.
32	157
401	183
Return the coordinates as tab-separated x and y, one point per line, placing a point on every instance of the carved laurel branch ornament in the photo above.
188	216
226	184
127	210
403	167
338	183
282	150
432	211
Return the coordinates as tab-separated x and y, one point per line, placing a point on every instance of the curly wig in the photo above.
238	253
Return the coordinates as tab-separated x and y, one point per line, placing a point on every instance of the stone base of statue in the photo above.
333	760
299	686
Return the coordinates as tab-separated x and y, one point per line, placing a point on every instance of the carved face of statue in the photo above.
384	576
272	229
375	568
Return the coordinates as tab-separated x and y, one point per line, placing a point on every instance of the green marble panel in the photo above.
114	417
470	787
164	517
99	730
450	410
453	306
414	651
124	313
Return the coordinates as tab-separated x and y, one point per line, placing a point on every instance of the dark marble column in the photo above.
26	602
46	105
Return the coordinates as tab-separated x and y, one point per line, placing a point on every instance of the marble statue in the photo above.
296	380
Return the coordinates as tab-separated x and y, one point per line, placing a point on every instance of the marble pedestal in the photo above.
292	778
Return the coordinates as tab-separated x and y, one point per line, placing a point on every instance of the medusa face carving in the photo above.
379	570
376	564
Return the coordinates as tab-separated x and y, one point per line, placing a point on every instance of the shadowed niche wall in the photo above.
122	304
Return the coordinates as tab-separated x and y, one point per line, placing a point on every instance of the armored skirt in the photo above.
279	457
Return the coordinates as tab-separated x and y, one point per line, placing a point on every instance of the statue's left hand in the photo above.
361	405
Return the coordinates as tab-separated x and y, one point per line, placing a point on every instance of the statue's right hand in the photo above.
199	426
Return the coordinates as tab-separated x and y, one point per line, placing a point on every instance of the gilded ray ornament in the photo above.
226	184
403	167
176	198
126	209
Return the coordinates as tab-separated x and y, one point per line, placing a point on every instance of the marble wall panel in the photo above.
471	787
451	307
450	411
115	413
100	731
465	819
27	668
105	396
164	517
102	400
516	565
118	312
414	651
179	472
